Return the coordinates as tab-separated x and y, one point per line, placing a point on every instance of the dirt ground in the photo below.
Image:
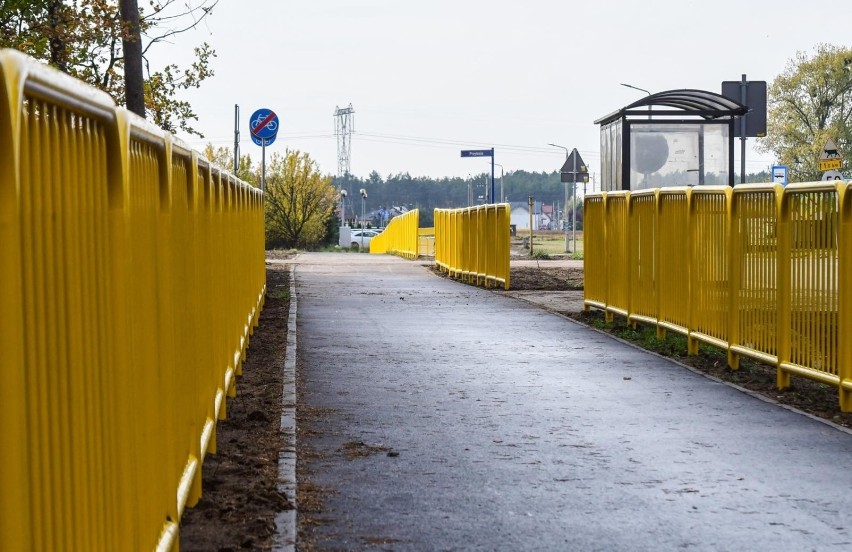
240	498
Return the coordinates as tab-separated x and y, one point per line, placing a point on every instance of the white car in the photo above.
360	239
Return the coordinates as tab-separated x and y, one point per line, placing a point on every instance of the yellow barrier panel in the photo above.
401	237
133	274
473	244
754	270
595	275
709	302
643	266
754	282
617	256
808	341
674	249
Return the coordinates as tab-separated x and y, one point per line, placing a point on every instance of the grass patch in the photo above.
278	294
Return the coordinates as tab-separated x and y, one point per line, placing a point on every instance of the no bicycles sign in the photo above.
264	126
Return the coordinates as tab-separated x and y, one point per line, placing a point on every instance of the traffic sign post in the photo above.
573	170
483	153
264	128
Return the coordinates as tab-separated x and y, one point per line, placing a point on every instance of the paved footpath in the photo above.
517	429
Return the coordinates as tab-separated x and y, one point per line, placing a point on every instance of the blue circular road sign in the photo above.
263	125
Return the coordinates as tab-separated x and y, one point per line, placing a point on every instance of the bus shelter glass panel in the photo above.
611	175
664	155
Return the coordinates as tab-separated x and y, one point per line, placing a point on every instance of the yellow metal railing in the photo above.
643	261
473	244
400	237
755	270
595	271
133	274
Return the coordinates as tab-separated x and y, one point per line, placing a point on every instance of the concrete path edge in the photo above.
285	521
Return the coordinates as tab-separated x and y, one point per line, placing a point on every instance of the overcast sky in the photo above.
428	78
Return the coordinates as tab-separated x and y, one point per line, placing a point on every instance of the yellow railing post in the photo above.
784	287
15	472
844	318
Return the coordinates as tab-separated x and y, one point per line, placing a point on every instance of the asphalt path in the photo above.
513	428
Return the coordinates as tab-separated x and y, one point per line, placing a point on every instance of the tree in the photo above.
131	43
86	38
224	158
809	103
299	201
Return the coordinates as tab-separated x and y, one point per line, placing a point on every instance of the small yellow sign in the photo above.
830	164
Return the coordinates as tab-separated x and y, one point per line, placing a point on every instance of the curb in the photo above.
285	521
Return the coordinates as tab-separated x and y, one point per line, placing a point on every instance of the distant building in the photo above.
520	215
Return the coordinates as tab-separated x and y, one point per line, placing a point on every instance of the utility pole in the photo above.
236	139
493	200
532	204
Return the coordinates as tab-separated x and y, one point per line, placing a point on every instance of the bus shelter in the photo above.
672	138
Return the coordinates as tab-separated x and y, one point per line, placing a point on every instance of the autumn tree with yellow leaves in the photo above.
224	158
299	201
809	103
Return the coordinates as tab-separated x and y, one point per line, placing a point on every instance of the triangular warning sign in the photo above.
829	151
574	169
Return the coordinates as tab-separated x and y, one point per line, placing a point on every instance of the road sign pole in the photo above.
263	165
744	100
574	209
492	176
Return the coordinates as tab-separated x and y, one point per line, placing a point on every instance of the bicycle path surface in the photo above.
486	423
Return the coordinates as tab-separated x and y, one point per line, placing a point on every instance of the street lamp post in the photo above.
565	228
501	184
342	207
641	90
363	215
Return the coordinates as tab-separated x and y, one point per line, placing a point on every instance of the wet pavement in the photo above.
484	422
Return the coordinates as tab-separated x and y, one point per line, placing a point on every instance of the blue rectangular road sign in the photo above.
780	174
477	153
